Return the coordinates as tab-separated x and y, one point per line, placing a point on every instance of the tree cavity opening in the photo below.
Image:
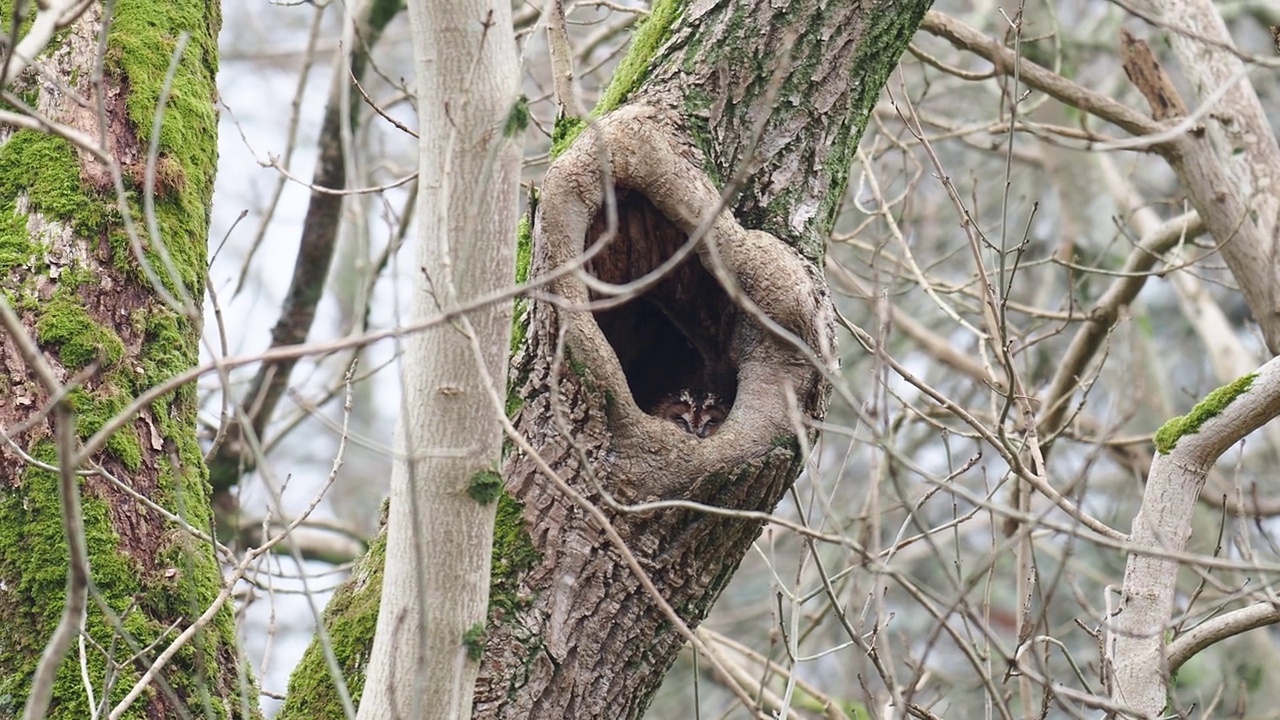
675	335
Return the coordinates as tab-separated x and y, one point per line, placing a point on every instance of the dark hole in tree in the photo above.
677	334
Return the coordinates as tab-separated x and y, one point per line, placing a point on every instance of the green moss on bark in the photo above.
44	172
1214	403
520	314
634	67
34	550
351	618
15	247
67	325
513	555
485	486
474	640
94	410
45	209
143	38
632	70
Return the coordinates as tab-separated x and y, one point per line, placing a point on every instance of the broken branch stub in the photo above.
669	291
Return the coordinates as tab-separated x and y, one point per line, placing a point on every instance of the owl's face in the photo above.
697	412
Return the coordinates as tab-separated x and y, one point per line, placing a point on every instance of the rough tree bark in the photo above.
97	326
737	100
1230	165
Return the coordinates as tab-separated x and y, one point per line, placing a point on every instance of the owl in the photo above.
697	412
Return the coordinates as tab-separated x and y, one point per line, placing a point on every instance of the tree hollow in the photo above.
675	333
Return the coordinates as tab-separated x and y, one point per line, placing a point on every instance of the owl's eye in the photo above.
684	422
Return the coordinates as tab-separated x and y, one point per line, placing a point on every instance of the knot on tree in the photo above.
660	289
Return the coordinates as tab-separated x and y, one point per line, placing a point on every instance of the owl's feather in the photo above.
697	412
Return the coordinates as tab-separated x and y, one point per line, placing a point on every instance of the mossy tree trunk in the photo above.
109	324
738	98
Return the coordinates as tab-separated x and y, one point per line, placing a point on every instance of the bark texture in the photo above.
83	295
1229	165
739	100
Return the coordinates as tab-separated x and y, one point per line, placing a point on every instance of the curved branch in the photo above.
1220	628
1188	447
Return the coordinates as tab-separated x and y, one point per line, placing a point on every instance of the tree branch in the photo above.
1188	447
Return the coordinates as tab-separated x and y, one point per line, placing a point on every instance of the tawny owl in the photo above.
697	412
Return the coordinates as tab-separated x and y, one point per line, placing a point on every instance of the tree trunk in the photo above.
444	486
576	630
97	320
